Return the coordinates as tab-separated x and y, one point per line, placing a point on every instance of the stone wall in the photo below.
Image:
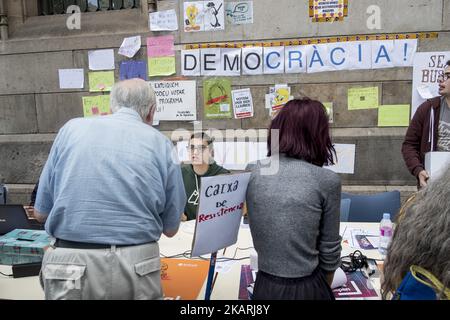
33	108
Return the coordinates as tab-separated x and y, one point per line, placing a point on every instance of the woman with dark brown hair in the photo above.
294	212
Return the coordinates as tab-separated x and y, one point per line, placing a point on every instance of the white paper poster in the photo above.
193	16
190	62
210	65
214	15
130	46
404	52
318	57
230	62
383	54
236	155
427	68
345	159
71	78
175	100
295	59
239	12
163	20
101	59
252	61
273	60
219	212
359	55
242	103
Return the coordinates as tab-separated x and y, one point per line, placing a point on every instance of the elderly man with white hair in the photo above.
111	186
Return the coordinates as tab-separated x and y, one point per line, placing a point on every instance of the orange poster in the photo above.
182	279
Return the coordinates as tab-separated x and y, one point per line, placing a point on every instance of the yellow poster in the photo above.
101	81
328	10
281	96
96	106
393	115
161	66
182	279
363	98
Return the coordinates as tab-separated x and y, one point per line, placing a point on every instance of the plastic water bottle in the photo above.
385	233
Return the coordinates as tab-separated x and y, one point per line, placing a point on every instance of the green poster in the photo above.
161	66
393	115
101	81
363	98
217	98
96	106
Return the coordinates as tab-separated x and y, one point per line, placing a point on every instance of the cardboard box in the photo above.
23	246
436	162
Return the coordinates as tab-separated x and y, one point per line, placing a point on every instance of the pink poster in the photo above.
162	46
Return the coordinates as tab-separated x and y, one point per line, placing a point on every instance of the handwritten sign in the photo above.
163	20
130	46
96	106
219	213
161	66
101	81
175	100
363	98
426	69
239	12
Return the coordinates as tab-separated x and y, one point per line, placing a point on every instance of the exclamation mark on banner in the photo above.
405	51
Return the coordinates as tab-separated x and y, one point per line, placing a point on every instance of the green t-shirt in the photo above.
192	186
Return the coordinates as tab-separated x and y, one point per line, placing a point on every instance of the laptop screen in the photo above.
13	216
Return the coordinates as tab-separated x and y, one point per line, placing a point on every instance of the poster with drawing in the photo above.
214	15
204	16
239	12
193	16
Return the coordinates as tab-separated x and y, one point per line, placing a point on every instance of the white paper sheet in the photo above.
101	59
130	46
71	78
163	20
339	278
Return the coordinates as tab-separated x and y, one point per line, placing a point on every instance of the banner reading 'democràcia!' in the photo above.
219	212
354	55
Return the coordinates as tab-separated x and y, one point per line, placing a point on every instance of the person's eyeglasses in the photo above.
444	77
197	148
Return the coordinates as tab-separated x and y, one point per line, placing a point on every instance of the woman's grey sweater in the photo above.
294	218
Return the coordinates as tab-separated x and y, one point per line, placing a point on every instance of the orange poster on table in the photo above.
182	279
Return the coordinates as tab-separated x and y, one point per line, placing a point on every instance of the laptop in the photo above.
13	216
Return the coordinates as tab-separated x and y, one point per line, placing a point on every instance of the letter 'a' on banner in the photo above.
219	212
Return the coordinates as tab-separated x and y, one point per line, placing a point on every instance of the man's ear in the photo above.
149	118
